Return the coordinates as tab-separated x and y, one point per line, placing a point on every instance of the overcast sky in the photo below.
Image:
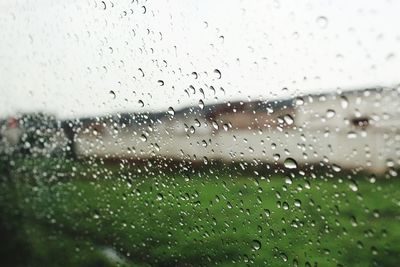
65	57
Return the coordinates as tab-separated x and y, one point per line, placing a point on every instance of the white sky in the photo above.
55	56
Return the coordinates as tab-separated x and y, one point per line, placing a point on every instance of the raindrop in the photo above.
218	73
201	104
351	135
344	103
330	113
171	111
256	245
353	186
390	56
297	203
143	138
161	82
336	168
322	22
112	93
284	257
192	89
141	71
376	213
299	101
290	163
353	221
215	125
285	205
141	103
288	119
267	213
96	215
104	5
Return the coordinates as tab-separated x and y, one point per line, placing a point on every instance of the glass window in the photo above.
199	133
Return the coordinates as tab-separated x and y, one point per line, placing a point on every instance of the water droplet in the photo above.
104	5
299	101
290	163
376	213
353	186
322	22
353	221
330	113
160	82
336	168
285	205
141	71
201	104
215	125
141	103
288	119
256	245
297	203
390	56
159	197
112	93
143	138
344	103
171	111
96	215
351	135
218	73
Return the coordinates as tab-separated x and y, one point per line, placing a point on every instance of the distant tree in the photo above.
38	130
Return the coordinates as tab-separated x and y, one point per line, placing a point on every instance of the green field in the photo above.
79	214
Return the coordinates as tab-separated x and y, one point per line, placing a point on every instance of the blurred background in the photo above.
186	133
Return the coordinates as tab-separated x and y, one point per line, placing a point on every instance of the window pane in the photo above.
186	133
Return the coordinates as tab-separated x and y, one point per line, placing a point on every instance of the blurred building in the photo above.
351	129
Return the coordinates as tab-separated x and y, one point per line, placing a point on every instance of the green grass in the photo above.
64	215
